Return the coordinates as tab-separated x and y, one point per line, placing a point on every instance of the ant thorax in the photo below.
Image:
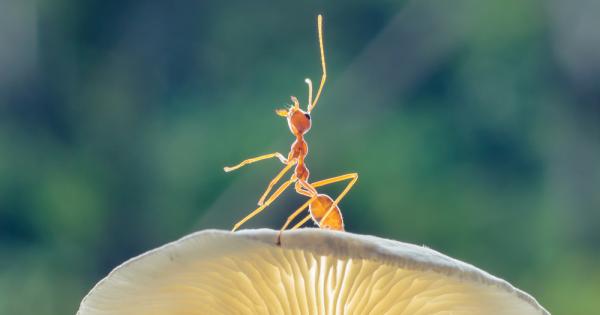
302	171
299	149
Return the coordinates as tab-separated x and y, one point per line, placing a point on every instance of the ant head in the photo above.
298	120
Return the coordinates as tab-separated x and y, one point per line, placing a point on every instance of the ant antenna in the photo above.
310	90
320	28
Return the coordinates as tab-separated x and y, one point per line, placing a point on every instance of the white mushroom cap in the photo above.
314	271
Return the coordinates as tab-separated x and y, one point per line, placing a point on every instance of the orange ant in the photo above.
323	209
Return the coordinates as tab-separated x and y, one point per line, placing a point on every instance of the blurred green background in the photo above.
474	126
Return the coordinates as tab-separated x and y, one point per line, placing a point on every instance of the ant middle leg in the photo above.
274	196
256	159
293	216
306	189
275	180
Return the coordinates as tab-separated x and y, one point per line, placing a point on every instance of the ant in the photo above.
323	209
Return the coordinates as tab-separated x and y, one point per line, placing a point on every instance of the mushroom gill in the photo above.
313	272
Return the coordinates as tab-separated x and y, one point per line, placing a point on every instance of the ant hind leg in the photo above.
301	223
353	177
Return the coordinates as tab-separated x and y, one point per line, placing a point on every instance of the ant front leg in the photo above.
256	159
353	177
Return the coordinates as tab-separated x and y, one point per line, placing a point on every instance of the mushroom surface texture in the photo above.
314	271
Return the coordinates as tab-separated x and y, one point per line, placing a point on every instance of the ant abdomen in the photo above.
319	207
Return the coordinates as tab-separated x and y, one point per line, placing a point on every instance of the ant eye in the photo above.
307	116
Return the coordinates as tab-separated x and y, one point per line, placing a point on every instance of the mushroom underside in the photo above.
313	272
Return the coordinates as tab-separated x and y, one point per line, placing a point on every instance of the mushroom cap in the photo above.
314	271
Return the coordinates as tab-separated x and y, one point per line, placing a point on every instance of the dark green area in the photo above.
474	126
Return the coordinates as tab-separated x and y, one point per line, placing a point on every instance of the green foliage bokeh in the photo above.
474	126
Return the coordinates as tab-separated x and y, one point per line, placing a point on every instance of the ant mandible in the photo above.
322	208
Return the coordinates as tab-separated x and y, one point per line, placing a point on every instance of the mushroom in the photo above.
314	271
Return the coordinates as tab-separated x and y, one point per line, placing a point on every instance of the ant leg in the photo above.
304	188
274	196
302	191
256	159
275	180
301	223
293	216
323	65
353	178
